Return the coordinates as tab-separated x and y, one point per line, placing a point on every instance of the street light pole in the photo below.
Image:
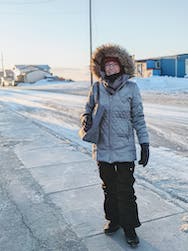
2	64
90	32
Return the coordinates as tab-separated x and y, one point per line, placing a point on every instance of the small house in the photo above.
31	73
175	66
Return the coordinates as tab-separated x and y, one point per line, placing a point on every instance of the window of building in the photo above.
139	68
157	64
186	66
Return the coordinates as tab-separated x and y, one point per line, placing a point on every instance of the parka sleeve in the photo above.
137	115
90	104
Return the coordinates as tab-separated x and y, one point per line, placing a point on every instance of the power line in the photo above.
55	12
26	3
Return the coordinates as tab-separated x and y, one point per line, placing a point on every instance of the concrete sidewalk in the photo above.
55	192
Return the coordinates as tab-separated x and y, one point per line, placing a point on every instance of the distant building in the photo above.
7	78
31	73
175	66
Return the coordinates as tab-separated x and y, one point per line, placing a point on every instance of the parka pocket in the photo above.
122	131
121	128
120	123
125	99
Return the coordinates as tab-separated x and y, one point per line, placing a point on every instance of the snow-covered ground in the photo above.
163	84
58	105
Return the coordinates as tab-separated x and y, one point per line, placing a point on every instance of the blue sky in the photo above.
56	32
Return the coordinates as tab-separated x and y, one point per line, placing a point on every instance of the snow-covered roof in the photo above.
41	67
157	58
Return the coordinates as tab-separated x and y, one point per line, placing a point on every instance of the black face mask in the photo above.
113	77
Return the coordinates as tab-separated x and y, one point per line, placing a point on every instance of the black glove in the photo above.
144	154
86	121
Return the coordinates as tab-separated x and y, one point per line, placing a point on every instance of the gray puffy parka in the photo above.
123	110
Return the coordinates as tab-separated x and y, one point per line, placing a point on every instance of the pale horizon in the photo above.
77	74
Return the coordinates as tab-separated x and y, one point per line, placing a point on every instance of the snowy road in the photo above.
59	109
168	123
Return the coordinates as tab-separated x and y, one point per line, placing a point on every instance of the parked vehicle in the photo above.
7	81
7	78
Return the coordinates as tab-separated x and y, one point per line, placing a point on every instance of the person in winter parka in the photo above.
115	151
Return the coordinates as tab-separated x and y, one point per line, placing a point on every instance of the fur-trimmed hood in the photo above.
111	50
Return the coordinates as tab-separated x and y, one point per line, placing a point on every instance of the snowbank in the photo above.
156	84
163	84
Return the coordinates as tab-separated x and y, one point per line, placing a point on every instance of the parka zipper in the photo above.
110	105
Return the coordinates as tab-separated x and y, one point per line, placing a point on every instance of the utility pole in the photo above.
3	70
90	32
2	64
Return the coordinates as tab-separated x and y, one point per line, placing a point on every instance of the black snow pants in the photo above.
119	196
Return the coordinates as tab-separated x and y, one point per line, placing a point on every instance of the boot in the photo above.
111	227
131	236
